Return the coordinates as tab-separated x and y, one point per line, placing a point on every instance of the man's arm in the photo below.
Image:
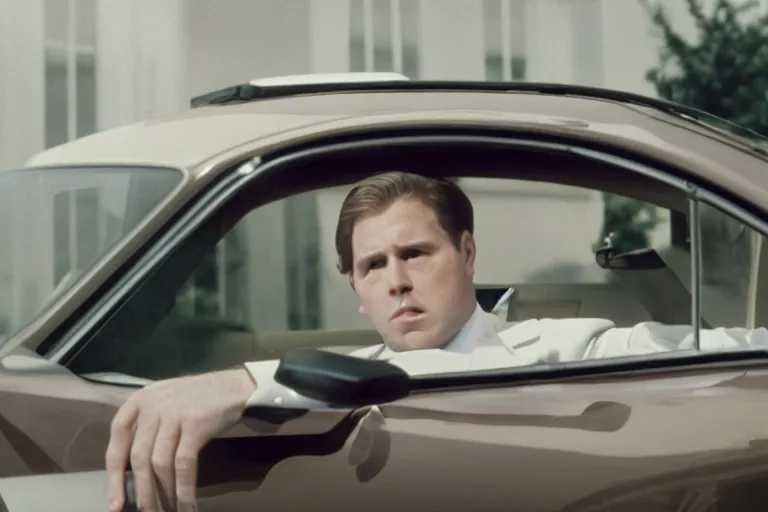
578	339
161	429
653	337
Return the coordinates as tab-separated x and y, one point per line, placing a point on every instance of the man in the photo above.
406	244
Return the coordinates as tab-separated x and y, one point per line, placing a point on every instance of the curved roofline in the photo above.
248	92
253	92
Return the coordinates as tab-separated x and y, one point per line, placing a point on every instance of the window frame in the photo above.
257	170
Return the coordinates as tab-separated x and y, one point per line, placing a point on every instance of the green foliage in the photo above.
724	71
628	222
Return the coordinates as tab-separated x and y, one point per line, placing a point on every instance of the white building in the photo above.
85	65
72	67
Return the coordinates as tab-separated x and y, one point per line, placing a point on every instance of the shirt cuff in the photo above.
270	393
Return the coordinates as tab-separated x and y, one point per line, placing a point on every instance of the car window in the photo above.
57	223
270	284
730	270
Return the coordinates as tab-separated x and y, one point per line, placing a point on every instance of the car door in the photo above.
692	438
345	456
622	438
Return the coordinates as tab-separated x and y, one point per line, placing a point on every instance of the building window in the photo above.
384	36
588	43
504	29
70	74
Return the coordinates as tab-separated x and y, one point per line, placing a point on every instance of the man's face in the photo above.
413	283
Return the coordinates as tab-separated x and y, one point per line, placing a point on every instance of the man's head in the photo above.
406	242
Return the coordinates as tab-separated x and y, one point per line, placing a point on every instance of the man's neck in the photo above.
464	338
460	341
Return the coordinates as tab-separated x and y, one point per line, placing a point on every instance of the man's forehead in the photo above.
403	223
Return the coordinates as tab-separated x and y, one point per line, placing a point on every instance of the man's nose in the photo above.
399	280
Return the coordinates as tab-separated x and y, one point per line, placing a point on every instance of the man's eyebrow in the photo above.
369	257
418	244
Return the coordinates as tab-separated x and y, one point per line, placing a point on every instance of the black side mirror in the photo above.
640	259
340	379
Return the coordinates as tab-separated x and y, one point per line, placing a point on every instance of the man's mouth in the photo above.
406	312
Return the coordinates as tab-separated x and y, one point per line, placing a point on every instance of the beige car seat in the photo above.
584	300
274	345
721	306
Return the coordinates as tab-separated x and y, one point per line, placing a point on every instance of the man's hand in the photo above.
162	428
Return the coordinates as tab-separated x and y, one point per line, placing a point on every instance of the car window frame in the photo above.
258	167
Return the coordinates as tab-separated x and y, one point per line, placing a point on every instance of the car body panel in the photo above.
84	491
545	448
653	440
195	138
644	441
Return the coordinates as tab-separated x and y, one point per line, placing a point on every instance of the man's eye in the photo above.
413	253
375	264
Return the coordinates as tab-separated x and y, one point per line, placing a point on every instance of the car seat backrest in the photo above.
182	345
645	276
720	305
272	345
588	300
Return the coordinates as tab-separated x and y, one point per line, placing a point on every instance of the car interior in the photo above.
652	284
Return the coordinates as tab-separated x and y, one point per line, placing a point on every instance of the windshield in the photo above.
57	223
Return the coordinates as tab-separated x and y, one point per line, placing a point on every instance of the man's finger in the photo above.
163	462
186	471
141	461
118	451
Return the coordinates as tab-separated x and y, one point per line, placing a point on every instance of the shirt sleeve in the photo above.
652	337
271	393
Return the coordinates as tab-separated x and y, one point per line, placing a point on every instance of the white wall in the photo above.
233	41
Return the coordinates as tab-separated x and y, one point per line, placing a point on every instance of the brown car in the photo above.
204	240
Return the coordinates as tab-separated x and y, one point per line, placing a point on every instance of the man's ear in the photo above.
468	249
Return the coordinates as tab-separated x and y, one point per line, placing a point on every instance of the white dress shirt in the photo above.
485	342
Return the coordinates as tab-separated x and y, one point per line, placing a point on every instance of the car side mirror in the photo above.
640	259
340	379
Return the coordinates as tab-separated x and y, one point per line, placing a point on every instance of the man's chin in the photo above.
415	340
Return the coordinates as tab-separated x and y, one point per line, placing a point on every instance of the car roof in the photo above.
190	138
